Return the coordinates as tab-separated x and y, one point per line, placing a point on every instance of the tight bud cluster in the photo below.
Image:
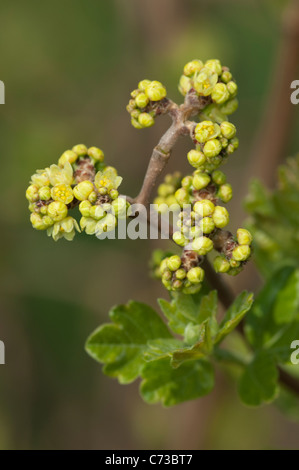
80	178
146	102
182	273
235	253
212	80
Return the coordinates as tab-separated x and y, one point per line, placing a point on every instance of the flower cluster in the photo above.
202	219
235	252
182	273
80	178
146	103
213	81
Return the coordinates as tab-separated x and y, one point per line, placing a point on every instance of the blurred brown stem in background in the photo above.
270	145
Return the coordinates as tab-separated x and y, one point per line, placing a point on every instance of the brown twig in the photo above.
161	153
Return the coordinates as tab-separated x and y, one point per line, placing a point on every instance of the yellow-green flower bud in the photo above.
83	190
113	194
131	106
220	93
185	85
135	113
207	225
37	222
44	193
232	88
97	212
141	100
226	76
119	206
214	65
32	193
220	217
223	142
200	180
196	275
80	150
230	149
167	275
196	158
44	210
136	123
187	182
180	274
57	210
62	193
221	265
192	67
144	84
228	130
241	253
244	237
84	208
96	153
212	148
204	208
135	93
235	142
225	192
155	91
163	265
182	196
229	107
146	120
204	81
179	239
67	156
206	130
93	197
218	177
174	262
202	245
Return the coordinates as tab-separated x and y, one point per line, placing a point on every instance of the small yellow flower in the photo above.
62	193
107	179
59	175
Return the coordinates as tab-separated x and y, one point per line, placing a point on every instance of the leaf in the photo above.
260	324
177	351
162	383
234	315
121	345
259	383
185	309
286	307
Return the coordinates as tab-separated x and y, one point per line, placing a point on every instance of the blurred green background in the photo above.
68	68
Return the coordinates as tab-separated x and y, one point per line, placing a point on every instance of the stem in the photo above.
161	153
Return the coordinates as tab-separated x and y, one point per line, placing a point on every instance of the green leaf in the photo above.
286	306
234	315
162	383
260	324
177	351
185	309
121	345
259	383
